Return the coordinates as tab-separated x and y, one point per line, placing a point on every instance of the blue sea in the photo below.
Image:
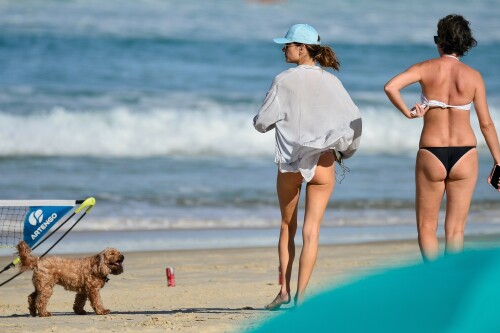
147	105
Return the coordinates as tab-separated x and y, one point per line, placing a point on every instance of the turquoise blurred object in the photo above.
457	293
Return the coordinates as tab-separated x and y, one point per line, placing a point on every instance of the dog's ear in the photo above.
99	266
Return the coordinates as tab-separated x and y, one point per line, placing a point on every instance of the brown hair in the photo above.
324	55
455	35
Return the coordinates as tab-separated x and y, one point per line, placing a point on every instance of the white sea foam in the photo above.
121	132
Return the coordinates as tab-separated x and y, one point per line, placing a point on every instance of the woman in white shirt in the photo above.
316	123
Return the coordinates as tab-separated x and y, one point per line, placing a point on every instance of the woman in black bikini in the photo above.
447	161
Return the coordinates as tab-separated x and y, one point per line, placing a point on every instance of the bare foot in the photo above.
298	299
278	302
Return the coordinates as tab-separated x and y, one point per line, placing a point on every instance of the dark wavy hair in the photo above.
455	35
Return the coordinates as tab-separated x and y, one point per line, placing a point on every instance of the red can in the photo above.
170	277
280	276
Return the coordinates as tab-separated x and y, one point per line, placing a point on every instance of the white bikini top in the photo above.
433	103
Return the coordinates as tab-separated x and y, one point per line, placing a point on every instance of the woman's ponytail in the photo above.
324	55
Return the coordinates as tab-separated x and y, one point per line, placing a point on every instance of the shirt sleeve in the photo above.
269	113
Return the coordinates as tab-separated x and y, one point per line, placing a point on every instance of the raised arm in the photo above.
396	84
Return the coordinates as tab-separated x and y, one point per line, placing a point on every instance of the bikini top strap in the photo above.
433	103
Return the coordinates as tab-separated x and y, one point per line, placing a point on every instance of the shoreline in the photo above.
217	290
86	241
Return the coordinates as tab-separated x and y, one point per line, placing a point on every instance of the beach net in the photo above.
11	224
30	220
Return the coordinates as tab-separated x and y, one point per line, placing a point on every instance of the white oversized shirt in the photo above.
311	112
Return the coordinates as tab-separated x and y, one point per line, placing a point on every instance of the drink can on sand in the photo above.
170	277
280	277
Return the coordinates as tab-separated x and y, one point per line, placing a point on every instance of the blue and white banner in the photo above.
40	219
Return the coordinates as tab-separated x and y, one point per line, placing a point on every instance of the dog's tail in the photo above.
27	260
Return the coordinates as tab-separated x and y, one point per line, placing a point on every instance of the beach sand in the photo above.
216	290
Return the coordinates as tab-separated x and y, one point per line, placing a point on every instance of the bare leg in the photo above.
429	177
288	187
459	189
318	193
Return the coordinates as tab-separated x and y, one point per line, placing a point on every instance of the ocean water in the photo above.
147	106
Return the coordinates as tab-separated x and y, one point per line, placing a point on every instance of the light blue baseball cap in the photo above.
300	33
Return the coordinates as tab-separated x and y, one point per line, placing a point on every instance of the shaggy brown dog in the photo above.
85	276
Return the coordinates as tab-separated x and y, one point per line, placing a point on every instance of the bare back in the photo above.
449	81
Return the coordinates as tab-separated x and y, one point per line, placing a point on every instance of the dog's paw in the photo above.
80	312
103	312
45	314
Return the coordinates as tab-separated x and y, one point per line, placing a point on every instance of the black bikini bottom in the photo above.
449	156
